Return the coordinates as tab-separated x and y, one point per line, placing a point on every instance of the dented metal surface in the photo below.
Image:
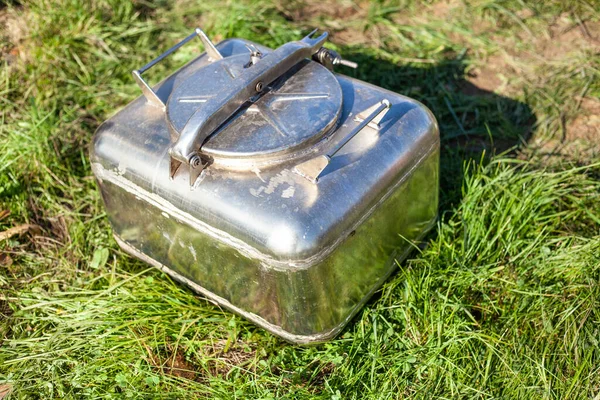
296	257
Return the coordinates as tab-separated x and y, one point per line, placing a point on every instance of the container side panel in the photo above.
315	301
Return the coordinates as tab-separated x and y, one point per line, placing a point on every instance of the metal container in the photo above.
269	184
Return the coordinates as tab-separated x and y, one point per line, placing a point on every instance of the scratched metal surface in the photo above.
297	258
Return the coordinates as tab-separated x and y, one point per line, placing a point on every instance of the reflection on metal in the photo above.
204	178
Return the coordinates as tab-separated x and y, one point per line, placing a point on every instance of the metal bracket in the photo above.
150	94
313	168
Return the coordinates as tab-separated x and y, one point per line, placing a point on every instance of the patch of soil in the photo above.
315	9
443	9
581	136
175	364
586	125
221	359
344	20
5	391
224	360
484	80
563	38
557	42
566	37
13	30
5	260
353	37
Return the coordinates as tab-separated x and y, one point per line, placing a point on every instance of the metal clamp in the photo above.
150	94
372	116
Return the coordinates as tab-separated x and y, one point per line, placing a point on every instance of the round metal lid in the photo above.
296	111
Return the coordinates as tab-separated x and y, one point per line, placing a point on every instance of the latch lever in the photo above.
313	168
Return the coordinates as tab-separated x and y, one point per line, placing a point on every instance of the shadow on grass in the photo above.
475	123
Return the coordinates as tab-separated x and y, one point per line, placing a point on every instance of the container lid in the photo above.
248	111
292	113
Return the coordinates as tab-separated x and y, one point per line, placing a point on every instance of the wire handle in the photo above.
147	91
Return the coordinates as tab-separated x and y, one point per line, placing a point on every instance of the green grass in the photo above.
503	302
